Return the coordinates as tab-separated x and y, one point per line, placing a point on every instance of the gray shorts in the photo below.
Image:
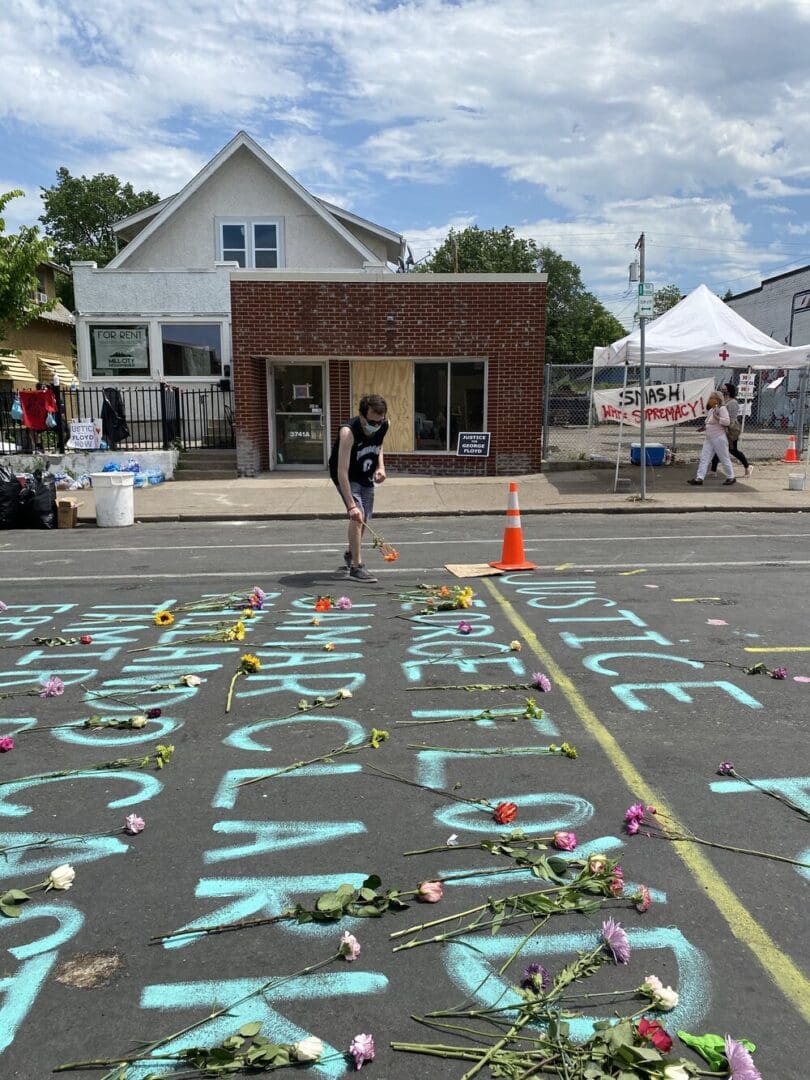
364	497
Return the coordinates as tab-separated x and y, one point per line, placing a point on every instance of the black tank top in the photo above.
365	453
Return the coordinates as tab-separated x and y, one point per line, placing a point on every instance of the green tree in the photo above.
575	320
665	298
80	212
20	255
482	251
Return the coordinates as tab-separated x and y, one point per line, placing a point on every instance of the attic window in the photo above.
252	243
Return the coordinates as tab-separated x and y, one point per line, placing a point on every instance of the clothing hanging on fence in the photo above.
36	404
113	417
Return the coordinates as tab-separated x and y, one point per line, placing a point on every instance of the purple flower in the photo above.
634	811
134	824
3	607
541	681
616	941
52	687
343	603
6	744
725	768
535	977
740	1063
464	627
362	1050
259	593
777	673
632	825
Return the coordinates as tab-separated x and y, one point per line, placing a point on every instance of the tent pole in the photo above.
642	374
621	429
801	409
590	402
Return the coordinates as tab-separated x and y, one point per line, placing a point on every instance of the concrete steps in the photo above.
206	465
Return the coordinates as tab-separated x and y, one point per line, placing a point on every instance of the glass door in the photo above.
298	419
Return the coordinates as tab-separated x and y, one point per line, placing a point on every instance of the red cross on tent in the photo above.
724	355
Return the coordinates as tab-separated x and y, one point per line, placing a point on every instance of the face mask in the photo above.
371	429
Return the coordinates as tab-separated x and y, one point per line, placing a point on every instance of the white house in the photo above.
160	310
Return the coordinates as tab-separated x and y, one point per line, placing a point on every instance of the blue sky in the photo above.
578	124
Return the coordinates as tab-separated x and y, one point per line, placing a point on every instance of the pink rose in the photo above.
6	744
464	627
134	824
565	841
349	947
430	891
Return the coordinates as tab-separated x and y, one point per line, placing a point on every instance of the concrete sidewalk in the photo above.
575	490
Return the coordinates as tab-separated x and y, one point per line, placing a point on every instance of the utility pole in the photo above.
642	373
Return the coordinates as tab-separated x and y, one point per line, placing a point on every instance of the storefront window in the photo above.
448	398
191	350
119	350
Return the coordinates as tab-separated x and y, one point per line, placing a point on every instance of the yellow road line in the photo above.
778	648
782	970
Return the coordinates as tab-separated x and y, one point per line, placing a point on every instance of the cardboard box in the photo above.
67	513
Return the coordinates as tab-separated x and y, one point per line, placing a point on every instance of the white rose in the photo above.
344	693
309	1049
191	680
62	877
137	721
675	1072
666	998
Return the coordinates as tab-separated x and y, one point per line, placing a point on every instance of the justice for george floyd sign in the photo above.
473	444
667	404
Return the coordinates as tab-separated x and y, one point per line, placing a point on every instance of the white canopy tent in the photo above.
703	332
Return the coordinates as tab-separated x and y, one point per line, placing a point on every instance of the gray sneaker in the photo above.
359	573
343	571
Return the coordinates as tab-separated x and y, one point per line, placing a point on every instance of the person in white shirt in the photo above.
715	440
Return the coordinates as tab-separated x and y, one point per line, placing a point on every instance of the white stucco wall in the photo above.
769	307
164	292
243	187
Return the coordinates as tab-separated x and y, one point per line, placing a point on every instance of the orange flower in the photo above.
505	813
323	603
444	591
329	647
391	556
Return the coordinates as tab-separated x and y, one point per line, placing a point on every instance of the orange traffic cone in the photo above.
790	454
512	554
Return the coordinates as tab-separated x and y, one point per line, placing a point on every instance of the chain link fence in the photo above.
568	436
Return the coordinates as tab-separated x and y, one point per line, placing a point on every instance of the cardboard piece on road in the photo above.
472	570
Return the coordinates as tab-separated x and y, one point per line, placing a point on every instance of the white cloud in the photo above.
23	210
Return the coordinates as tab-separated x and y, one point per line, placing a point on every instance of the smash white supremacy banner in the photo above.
667	404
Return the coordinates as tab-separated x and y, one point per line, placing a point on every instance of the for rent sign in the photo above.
664	405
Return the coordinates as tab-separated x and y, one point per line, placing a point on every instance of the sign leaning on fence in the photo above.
84	435
665	404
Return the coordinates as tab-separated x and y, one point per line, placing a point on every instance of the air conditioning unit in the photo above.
41	297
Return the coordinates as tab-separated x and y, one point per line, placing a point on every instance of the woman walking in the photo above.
715	440
733	433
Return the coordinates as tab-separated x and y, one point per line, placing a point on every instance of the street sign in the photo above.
646	300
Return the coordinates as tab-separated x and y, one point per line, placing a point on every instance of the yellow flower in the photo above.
248	613
163	618
378	737
515	646
464	601
235	632
315	622
329	647
568	750
249	664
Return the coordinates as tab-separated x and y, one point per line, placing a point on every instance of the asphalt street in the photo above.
643	627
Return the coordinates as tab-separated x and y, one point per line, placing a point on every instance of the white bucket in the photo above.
115	502
796	482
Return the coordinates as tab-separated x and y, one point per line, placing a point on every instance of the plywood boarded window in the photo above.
394	380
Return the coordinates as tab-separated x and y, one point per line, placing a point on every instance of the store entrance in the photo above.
297	421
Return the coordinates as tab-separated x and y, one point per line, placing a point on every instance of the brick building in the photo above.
449	352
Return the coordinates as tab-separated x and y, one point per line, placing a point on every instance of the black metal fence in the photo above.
157	418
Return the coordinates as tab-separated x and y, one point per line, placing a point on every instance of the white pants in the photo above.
714	444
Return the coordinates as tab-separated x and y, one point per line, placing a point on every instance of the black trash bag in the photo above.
10	509
38	499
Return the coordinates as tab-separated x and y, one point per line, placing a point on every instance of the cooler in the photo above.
655	453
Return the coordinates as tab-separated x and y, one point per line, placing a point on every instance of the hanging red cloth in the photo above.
36	404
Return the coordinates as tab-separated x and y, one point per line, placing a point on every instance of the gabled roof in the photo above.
238	142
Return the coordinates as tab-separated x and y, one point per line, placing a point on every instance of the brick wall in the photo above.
502	321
